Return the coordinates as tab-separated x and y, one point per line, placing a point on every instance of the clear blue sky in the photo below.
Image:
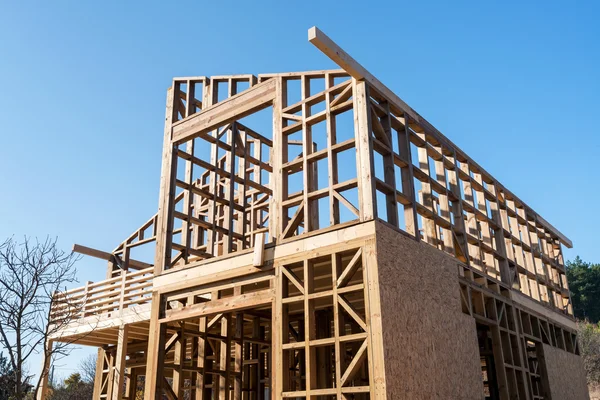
82	93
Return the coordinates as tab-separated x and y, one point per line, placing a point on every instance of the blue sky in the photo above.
83	85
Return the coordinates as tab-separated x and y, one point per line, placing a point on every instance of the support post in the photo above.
99	372
364	151
277	183
119	373
156	351
373	320
164	222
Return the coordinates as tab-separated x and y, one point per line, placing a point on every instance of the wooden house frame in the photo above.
348	250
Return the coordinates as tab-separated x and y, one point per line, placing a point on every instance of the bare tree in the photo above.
31	273
87	368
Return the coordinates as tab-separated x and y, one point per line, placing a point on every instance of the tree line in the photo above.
584	284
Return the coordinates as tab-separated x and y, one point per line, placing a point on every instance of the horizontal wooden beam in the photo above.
565	240
88	251
321	41
245	103
227	304
242	262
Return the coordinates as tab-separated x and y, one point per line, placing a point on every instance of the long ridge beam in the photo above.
321	41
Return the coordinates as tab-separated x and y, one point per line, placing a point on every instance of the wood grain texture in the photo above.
565	374
430	346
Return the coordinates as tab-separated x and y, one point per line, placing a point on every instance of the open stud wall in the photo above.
340	152
259	278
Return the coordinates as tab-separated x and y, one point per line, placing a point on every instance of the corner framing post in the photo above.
373	320
364	151
275	208
162	258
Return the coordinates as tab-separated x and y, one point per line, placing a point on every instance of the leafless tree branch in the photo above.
32	274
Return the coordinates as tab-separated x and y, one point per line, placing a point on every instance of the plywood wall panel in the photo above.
430	346
565	374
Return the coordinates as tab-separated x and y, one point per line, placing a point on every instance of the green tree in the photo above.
589	346
73	380
8	380
584	284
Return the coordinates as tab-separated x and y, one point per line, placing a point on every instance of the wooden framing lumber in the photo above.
358	72
250	300
119	377
236	107
88	251
266	277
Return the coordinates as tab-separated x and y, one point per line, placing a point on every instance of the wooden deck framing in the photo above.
265	283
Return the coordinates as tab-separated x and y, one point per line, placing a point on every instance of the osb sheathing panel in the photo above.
430	346
565	374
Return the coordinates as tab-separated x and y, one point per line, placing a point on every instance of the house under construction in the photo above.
316	238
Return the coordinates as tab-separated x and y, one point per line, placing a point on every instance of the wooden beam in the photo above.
350	65
247	102
358	72
88	251
227	304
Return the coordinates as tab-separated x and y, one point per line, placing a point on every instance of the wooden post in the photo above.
408	187
178	360
164	232
310	331
156	351
373	319
429	231
99	373
224	356
111	375
122	291
364	151
277	182
279	363
201	360
239	343
119	368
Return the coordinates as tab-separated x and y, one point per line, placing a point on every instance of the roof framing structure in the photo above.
303	219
